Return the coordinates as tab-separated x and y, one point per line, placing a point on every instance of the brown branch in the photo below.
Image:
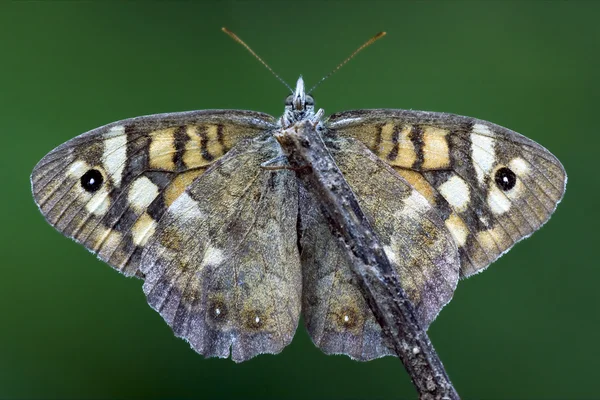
378	281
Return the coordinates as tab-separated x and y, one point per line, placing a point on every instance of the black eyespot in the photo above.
92	180
505	179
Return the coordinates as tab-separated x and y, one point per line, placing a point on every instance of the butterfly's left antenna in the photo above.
240	41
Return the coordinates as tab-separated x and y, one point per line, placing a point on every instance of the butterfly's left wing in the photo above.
492	186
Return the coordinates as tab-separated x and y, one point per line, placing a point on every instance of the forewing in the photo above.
223	266
107	188
415	241
492	186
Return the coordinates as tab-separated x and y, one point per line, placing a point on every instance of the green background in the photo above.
71	327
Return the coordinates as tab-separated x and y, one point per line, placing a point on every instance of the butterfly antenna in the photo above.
366	44
240	41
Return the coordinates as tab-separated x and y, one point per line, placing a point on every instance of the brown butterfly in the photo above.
231	251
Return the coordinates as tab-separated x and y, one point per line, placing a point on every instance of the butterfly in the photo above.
232	250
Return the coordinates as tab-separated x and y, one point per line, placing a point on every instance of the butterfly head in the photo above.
299	105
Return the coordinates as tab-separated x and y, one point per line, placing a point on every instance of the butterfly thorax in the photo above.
298	106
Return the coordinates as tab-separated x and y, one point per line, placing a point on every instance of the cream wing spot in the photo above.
407	154
162	149
457	228
143	229
386	133
115	153
99	203
142	193
389	252
482	130
483	154
436	152
417	181
192	157
185	205
198	147
493	239
77	169
397	148
179	184
213	147
106	240
519	166
498	202
212	256
484	220
414	205
456	192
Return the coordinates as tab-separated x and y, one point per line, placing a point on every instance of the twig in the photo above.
378	281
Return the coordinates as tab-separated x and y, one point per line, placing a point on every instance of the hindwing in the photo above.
223	267
413	237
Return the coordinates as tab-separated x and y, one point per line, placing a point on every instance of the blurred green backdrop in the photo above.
71	327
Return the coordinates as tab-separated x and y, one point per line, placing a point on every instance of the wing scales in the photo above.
144	163
414	239
485	219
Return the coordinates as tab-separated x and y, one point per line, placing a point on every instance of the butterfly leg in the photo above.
277	163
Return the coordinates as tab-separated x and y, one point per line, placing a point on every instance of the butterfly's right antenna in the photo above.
366	44
240	41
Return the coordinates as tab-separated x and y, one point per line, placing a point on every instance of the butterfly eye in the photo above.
288	100
92	180
310	101
505	179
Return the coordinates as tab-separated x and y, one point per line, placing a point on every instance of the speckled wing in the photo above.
492	186
415	241
107	188
181	201
223	266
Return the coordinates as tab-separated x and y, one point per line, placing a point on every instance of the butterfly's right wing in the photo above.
413	237
492	186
